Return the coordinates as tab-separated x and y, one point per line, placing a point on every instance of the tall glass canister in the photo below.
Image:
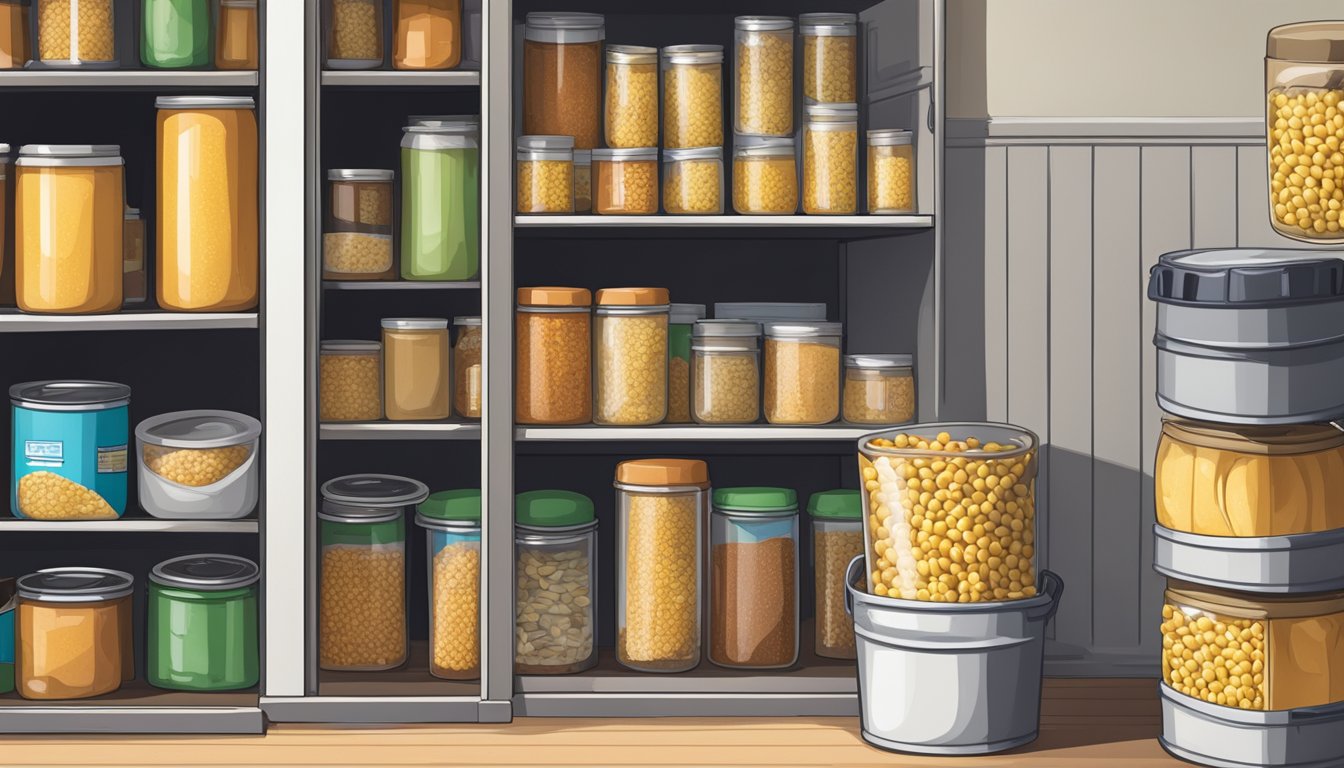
630	336
440	201
452	523
753	602
555	599
175	34
554	356
680	322
562	76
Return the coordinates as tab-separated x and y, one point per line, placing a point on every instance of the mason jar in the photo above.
692	96
693	181
625	181
680	322
630	338
440	201
763	76
554	347
831	159
830	57
726	372
802	372
753	592
545	168
879	389
837	538
765	176
452	524
632	96
891	171
556	538
562	76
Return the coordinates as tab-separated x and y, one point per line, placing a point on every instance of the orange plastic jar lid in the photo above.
632	297
550	296
663	472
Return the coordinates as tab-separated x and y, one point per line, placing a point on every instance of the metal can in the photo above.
202	628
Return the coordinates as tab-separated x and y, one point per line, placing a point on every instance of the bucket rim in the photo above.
1051	588
1030	444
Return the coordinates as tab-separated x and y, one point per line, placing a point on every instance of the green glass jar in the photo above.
440	201
175	34
202	633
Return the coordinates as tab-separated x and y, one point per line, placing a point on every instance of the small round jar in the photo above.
175	34
77	34
631	342
236	41
632	96
693	181
417	380
802	373
879	389
14	47
554	343
452	523
830	57
891	172
350	380
202	628
74	633
426	34
763	76
468	391
354	34
583	181
546	174
726	372
831	159
692	96
837	538
562	75
625	180
753	588
765	177
555	534
199	465
681	320
357	240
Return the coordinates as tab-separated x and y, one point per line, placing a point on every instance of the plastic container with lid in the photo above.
632	96
175	34
350	380
765	176
556	538
69	449
77	34
69	209
770	311
630	337
8	597
879	389
802	372
831	159
134	280
681	319
546	174
753	585
14	48
236	43
426	34
74	633
362	583
660	504
902	563
830	57
891	171
726	372
440	201
625	180
202	627
357	242
692	96
763	76
554	352
354	34
837	538
583	181
452	523
199	465
417	380
562	76
693	180
1304	82
468	391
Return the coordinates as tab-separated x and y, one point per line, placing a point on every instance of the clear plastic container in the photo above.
417	380
74	638
763	76
562	76
879	389
753	585
891	172
659	503
726	372
693	180
831	159
837	538
174	34
236	40
632	96
426	34
468	392
199	465
77	34
351	381
583	181
554	353
625	181
555	598
802	373
134	280
14	47
692	96
918	550
452	523
357	242
546	174
631	342
362	576
681	319
202	625
354	34
765	176
440	201
830	57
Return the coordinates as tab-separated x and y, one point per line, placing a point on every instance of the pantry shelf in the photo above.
400	285
725	226
386	430
135	708
392	79
150	79
17	322
129	525
664	432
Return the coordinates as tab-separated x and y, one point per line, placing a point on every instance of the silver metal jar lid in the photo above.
70	395
762	146
468	320
207	573
564	27
350	345
686	314
693	54
204	102
833	113
131	214
369	498
627	154
75	585
692	153
794	330
56	155
879	362
440	121
725	328
360	174
583	157
631	54
889	137
763	23
415	323
545	147
199	429
829	24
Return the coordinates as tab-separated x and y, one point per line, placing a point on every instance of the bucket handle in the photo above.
851	575
1051	585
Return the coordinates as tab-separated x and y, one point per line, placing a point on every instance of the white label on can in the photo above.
44	453
112	459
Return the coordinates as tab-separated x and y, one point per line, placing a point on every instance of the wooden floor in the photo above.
1087	723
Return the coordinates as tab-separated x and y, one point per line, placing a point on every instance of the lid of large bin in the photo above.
1247	277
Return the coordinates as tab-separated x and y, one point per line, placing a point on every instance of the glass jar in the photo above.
753	585
236	44
1304	78
632	96
837	538
693	180
546	174
562	76
452	523
726	372
14	49
765	177
681	319
202	628
659	503
831	159
134	282
6	253
362	576
416	375
891	172
830	57
350	381
208	252
357	240
468	391
763	79
583	181
802	373
440	201
174	34
631	342
74	633
555	583
692	96
1267	652
354	34
905	564
427	34
879	389
554	347
77	34
8	596
626	180
198	465
69	209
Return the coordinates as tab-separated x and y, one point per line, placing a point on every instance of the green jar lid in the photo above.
836	505
553	509
461	505
756	499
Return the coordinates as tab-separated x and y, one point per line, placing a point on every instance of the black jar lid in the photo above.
1247	278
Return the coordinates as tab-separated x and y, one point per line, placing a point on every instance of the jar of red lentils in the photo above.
830	57
625	180
562	76
891	171
831	159
763	76
802	372
693	181
631	344
726	372
692	96
354	34
632	96
350	380
554	352
452	523
765	176
545	181
357	242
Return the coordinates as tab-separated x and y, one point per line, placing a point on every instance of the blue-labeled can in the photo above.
70	440
7	594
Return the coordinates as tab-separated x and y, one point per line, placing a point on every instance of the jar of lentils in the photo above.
831	159
879	389
467	389
350	381
583	181
631	343
763	80
802	372
554	347
77	34
693	180
891	171
555	583
357	240
546	174
354	34
837	538
562	76
452	524
765	177
626	180
632	96
726	372
753	587
692	96
681	320
830	57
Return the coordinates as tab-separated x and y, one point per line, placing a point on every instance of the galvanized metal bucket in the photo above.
1227	737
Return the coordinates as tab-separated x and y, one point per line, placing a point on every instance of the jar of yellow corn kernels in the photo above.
830	57
726	372
357	240
763	76
681	321
467	390
765	177
693	180
354	34
199	465
553	376
546	174
951	512
362	572
879	389
583	180
692	96
452	523
802	372
625	180
350	380
631	342
831	159
1304	78
632	96
77	34
660	504
891	171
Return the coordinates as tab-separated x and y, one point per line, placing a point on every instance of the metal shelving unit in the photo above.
397	79
694	433
400	285
127	79
401	430
129	525
15	322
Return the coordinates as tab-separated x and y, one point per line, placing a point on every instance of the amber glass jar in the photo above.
554	348
562	76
